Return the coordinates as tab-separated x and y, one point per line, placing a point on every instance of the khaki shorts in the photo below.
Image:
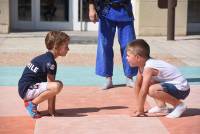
35	90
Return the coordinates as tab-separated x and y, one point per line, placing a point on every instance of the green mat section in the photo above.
85	76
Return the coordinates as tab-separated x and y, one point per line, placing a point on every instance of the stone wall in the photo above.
4	16
152	20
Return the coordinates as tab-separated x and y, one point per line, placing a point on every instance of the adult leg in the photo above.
126	34
104	58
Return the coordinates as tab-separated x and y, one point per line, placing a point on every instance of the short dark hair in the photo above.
139	47
55	38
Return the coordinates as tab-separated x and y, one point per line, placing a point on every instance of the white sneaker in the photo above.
157	109
178	111
108	85
129	82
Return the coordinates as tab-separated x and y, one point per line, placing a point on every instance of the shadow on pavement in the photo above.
191	112
119	85
79	112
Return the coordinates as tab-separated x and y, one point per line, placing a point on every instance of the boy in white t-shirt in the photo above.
158	79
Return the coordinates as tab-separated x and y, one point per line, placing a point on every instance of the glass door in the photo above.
193	16
24	10
21	14
54	15
81	16
41	15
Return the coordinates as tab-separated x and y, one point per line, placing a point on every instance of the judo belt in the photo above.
122	4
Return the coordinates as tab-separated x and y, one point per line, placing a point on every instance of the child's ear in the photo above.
137	57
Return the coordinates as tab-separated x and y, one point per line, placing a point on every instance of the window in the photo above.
24	10
54	10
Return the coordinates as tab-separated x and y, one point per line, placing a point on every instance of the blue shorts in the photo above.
173	91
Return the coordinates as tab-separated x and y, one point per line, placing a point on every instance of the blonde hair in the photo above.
54	39
139	47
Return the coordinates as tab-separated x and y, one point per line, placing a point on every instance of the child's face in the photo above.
63	49
132	59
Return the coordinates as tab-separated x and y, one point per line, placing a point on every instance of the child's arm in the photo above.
138	84
146	80
51	101
50	78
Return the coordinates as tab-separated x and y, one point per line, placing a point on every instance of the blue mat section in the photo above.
85	76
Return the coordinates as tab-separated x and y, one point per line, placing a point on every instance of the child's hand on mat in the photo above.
138	114
54	114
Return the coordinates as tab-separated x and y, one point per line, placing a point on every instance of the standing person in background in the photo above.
113	14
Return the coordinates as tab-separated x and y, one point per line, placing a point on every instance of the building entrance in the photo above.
50	15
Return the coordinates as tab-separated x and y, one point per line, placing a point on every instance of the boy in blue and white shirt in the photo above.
37	82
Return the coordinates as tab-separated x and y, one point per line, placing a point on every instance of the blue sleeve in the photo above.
51	68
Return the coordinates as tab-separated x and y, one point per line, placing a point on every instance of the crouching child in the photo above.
38	82
158	79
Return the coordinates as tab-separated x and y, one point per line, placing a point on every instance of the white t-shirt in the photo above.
167	74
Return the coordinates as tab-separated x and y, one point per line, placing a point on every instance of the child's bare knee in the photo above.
59	86
56	87
152	91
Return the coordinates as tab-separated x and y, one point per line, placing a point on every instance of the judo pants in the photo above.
105	54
